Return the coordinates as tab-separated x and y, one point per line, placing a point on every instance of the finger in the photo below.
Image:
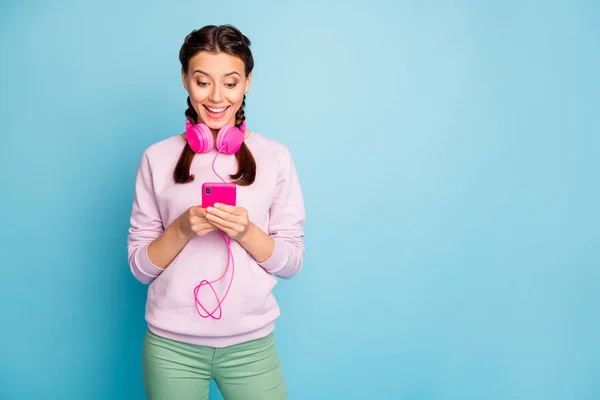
201	217
222	222
197	220
216	225
222	214
197	211
202	226
227	208
204	231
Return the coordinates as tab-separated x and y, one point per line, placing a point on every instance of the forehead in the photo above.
216	64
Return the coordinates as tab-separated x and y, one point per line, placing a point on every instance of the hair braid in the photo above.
240	115
181	174
191	113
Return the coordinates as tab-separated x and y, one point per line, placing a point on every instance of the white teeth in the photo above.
217	110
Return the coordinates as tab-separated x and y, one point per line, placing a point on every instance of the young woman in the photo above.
211	269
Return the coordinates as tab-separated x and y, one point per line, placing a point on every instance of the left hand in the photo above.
231	220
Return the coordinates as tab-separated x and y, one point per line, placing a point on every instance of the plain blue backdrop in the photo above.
449	156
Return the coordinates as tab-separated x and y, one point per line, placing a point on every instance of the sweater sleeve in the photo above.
286	222
145	225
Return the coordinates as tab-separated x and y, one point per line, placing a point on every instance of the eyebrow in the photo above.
228	74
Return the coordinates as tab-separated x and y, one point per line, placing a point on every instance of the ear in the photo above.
184	80
248	82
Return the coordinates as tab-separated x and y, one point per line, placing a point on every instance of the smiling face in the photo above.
216	84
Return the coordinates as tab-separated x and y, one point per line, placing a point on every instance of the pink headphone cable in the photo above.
209	283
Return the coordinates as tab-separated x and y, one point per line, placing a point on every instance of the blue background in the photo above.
449	156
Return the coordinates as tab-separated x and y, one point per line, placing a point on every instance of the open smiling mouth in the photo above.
215	110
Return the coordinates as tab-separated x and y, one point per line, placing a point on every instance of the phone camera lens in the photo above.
207	190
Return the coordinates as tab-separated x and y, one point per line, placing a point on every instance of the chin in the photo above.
213	125
216	123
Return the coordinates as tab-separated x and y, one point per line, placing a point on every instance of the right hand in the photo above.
193	222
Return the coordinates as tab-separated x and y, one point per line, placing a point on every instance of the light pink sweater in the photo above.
274	203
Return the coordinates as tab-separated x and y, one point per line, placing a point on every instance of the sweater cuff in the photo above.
144	264
276	262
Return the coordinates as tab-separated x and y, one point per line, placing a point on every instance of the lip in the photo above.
216	116
224	106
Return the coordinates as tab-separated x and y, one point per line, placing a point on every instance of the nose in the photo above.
216	94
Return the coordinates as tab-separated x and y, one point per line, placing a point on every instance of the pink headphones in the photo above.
200	138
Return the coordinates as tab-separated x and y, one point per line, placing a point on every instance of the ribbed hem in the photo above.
144	264
215	341
276	261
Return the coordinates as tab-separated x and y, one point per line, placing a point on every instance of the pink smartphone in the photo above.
218	192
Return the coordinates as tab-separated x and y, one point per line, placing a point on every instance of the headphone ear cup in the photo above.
230	139
199	137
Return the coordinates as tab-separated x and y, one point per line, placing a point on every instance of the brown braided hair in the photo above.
230	40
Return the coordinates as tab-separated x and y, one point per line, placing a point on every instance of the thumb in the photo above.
196	210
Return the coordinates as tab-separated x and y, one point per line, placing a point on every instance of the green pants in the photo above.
176	370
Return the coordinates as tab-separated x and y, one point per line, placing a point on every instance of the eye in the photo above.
230	85
202	84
